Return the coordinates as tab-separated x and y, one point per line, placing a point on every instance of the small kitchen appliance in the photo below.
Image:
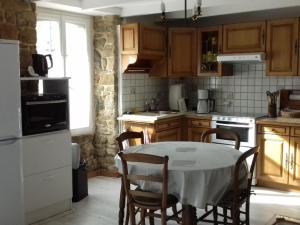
205	103
40	64
176	93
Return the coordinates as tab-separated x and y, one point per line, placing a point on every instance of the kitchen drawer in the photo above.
48	188
199	123
46	152
274	130
167	125
295	131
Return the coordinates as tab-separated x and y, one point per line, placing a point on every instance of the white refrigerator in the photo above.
11	177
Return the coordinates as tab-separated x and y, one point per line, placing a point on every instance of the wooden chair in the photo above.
231	135
126	136
234	199
129	136
148	202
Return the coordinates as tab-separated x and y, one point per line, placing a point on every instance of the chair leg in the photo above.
225	216
132	214
235	214
127	215
215	214
175	212
248	212
151	218
143	216
163	217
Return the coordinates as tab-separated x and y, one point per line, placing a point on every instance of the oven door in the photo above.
245	131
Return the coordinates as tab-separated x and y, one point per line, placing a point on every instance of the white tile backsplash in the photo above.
245	90
139	88
249	84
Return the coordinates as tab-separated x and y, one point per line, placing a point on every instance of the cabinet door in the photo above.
282	47
138	127
195	133
169	135
129	38
210	45
245	37
152	40
272	164
182	60
294	174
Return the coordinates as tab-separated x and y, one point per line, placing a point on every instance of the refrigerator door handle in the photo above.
8	140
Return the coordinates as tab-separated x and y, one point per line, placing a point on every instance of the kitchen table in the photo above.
199	173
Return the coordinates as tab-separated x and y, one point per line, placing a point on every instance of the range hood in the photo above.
241	57
139	63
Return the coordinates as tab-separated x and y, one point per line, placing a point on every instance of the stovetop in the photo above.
244	115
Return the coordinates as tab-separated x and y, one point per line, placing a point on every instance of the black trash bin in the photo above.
80	183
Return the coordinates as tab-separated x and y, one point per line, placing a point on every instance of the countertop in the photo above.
279	121
152	117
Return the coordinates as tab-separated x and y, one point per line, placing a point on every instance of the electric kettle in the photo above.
40	64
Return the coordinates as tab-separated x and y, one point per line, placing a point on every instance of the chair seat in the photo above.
227	199
171	200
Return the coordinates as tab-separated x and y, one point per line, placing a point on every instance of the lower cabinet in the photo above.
47	166
196	127
161	130
278	162
294	173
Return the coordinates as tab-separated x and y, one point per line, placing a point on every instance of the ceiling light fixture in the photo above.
196	10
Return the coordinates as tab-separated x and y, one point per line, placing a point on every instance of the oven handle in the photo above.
231	125
46	102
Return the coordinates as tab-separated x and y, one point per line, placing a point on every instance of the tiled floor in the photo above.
101	207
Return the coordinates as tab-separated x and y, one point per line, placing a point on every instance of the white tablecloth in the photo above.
199	173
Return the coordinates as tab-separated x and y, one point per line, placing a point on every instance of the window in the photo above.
67	38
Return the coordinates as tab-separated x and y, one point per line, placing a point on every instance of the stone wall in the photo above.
99	150
18	22
106	89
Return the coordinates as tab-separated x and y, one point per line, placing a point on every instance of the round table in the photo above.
199	173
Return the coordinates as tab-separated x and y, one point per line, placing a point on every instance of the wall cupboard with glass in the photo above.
209	46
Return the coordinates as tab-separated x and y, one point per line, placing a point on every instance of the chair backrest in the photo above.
231	135
237	181
128	136
137	196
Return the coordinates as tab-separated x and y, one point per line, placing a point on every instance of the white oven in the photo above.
244	127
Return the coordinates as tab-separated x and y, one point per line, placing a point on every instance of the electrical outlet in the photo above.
230	95
132	90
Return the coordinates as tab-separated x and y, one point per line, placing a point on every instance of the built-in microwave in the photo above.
44	113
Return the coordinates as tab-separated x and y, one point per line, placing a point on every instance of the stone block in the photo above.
10	17
28	36
26	19
8	31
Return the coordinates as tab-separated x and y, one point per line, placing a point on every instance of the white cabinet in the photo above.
45	189
47	165
45	152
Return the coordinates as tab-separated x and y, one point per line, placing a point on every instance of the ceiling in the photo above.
127	8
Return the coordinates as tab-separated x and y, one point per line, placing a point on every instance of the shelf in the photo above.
44	78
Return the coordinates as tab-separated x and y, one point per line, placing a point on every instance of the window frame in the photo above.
63	17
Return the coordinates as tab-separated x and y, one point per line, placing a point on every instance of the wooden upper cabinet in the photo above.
282	47
143	39
210	45
182	61
244	37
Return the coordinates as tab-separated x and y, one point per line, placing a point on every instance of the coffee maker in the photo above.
205	103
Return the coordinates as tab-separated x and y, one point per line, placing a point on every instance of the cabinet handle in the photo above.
296	47
287	161
263	38
292	161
